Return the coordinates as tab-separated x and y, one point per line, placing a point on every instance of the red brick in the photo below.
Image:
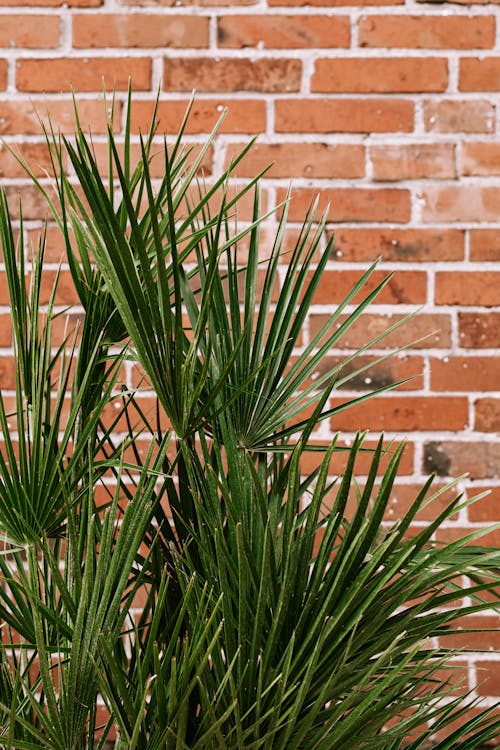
3	74
480	159
83	74
479	74
485	244
404	414
5	330
488	676
487	413
380	75
283	32
411	245
301	160
7	373
447	116
461	203
243	116
478	459
139	30
465	373
344	116
477	641
405	287
487	509
450	534
404	495
422	331
311	460
427	32
36	155
413	162
232	74
479	330
29	31
353	204
24	115
468	288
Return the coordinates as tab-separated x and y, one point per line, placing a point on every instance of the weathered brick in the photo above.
380	75
468	288
301	159
375	374
139	30
427	31
478	459
232	74
450	116
487	414
479	330
411	245
344	116
413	162
353	204
83	74
461	203
283	32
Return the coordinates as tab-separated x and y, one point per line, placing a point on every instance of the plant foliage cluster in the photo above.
208	593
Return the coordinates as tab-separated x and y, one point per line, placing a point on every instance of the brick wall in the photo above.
389	110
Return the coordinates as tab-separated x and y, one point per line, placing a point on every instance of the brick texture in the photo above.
388	109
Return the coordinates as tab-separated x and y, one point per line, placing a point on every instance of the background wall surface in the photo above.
389	110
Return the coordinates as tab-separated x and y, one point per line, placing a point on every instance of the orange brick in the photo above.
422	331
301	160
29	31
405	287
484	244
427	32
487	414
24	115
228	74
487	509
3	74
83	74
468	288
187	3
53	3
478	459
465	373
461	203
283	32
344	116
446	116
404	414
352	204
481	159
34	204
413	162
7	373
380	75
334	3
139	30
243	116
5	330
476	641
35	154
479	330
479	74
398	244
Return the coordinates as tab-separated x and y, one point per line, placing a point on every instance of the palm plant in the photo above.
220	596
